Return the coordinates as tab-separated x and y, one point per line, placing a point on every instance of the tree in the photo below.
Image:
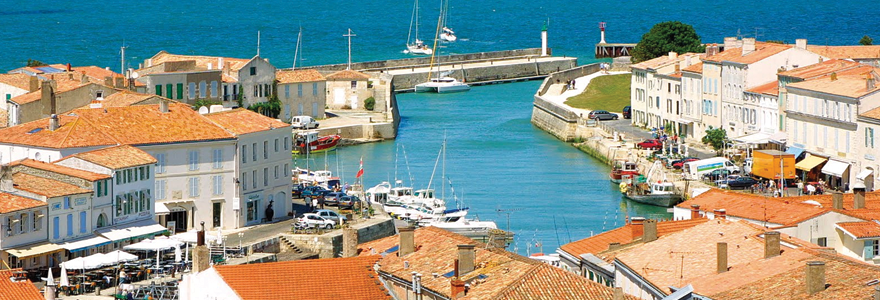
370	103
715	137
35	63
204	102
271	109
665	37
866	41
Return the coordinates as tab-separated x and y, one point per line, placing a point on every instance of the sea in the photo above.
496	162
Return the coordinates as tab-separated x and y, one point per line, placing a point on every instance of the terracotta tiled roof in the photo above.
860	230
127	98
784	211
695	68
666	60
874	113
21	81
45	186
22	290
624	235
498	274
782	277
235	64
762	51
684	257
73	132
97	74
242	121
4	118
847	52
10	203
770	88
852	86
334	278
820	69
116	157
62	85
55	168
309	75
347	75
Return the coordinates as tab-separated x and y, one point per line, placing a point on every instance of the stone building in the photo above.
348	89
302	93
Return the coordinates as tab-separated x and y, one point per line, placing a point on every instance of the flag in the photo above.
361	171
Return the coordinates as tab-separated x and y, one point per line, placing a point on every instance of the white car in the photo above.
303	122
312	220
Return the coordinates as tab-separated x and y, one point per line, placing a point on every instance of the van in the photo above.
303	122
694	170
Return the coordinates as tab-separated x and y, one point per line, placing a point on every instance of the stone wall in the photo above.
426	60
567	75
525	70
54	176
329	245
373	131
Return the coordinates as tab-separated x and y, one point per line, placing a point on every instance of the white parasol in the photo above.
64	280
177	254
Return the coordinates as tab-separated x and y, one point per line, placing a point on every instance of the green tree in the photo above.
866	41
204	102
665	37
776	42
35	63
370	103
271	109
715	137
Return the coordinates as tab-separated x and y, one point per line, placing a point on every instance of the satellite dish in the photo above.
135	75
203	110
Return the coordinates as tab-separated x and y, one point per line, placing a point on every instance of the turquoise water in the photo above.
496	159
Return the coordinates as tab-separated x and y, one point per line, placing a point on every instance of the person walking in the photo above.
314	204
800	187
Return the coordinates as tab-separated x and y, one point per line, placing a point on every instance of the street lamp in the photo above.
240	235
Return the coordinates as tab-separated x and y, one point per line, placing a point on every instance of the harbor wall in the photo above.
491	73
384	130
422	61
329	245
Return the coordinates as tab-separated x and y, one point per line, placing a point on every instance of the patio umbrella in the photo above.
119	256
64	280
176	253
190	237
50	280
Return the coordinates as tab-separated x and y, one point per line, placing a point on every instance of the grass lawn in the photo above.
609	92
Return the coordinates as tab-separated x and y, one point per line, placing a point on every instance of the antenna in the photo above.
507	211
756	32
349	35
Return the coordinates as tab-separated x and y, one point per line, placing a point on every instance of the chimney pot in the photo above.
613	246
618	293
458	289
722	257
815	277
858	198
748	46
163	106
720	213
407	242
695	211
349	242
466	258
650	231
771	244
53	122
837	200
800	44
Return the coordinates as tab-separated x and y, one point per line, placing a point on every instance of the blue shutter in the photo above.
82	222
869	249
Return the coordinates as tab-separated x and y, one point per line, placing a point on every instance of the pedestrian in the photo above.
346	187
811	190
314	204
573	86
800	187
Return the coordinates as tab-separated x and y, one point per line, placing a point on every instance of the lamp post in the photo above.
240	235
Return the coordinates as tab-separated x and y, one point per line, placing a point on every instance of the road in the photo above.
632	132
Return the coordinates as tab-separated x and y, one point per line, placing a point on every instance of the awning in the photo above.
779	137
161	209
85	243
685	121
131	230
794	150
864	174
34	249
809	163
754	138
835	168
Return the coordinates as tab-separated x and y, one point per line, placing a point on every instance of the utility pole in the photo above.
349	35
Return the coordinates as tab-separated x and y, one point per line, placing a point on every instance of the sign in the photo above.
56	206
236	204
254	197
869	157
80	201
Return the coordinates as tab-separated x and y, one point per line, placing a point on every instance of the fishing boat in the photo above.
623	169
310	142
660	193
413	44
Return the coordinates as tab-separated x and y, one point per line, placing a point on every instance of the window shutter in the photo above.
869	249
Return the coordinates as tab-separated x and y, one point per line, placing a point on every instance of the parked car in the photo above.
313	220
303	122
650	144
332	198
315	191
348	201
678	163
627	112
741	182
600	115
717	174
332	215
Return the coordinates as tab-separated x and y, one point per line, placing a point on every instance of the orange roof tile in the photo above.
770	88
19	80
624	235
784	211
695	68
127	98
4	118
45	186
847	52
762	50
860	230
333	278
548	282
11	203
54	168
116	157
242	121
62	85
73	132
665	60
852	86
308	75
235	64
820	69
21	290
347	75
97	74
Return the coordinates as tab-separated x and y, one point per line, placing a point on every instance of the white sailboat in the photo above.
443	83
413	44
446	33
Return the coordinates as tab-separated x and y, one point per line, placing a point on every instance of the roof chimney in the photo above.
815	277
800	44
771	244
869	83
407	242
730	43
720	213
673	55
637	227
748	46
877	292
650	231
618	293
349	242
711	50
33	84
858	198
722	257
837	200
83	78
695	211
47	97
53	122
458	289
613	246
163	106
201	254
6	183
466	258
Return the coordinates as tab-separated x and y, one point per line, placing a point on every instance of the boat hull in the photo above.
324	144
669	200
426	88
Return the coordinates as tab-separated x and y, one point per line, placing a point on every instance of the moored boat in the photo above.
657	193
310	142
623	170
442	85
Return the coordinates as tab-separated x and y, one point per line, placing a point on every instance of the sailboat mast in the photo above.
411	20
434	50
443	170
296	51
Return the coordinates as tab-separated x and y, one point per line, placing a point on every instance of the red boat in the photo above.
315	144
624	169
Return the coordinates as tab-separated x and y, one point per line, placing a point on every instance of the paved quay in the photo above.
475	64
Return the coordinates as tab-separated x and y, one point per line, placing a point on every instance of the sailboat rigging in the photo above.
442	83
447	34
413	44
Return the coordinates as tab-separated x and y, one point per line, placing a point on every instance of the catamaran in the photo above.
413	44
443	83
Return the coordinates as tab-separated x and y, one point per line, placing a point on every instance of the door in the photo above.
339	96
353	100
217	212
179	218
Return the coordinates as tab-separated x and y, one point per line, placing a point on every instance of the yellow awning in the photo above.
809	163
34	249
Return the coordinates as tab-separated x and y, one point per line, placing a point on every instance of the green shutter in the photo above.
179	91
169	91
159	89
869	249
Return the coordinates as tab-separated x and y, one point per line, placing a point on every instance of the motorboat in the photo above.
442	85
624	170
661	193
322	178
310	142
378	193
464	226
